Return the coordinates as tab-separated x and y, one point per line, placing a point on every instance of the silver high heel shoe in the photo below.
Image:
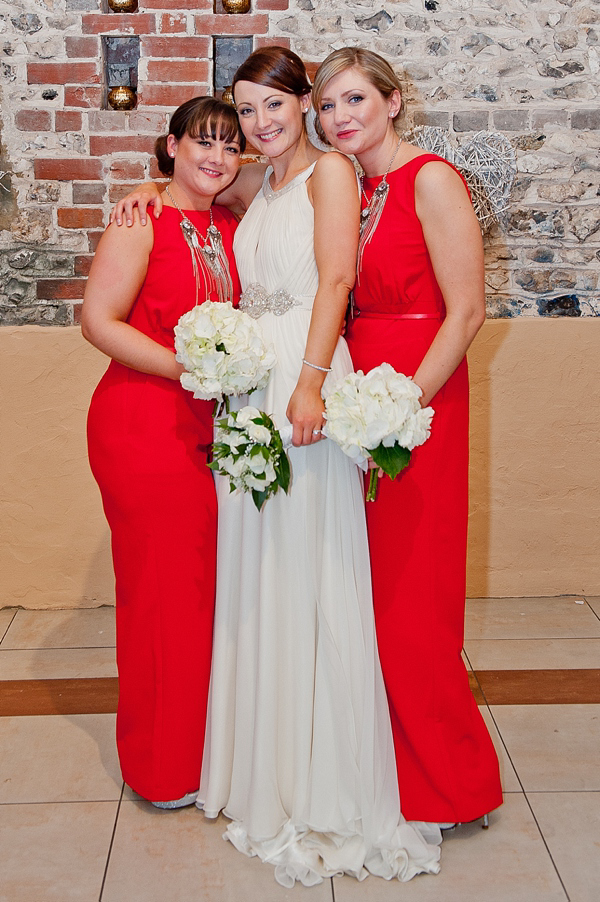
188	799
485	823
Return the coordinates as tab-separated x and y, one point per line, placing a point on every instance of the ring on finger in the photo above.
317	431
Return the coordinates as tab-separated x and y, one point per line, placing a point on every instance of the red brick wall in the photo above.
175	64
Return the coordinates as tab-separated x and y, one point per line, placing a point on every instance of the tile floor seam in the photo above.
596	615
70	802
59	648
504	745
111	843
554	865
3	637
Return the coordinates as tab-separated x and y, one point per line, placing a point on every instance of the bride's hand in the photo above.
305	413
144	196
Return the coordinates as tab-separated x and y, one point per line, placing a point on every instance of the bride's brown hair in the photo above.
275	67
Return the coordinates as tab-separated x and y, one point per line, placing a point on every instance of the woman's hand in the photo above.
144	196
305	413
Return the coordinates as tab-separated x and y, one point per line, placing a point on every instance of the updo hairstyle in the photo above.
200	117
275	67
373	67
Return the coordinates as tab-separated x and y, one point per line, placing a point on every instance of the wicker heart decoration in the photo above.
486	160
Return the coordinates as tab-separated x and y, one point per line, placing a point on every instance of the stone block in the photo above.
502	306
432	117
563	305
511	120
589	119
36	315
379	23
470	120
230	53
545	118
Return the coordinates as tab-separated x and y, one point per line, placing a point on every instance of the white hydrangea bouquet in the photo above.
249	450
223	351
377	416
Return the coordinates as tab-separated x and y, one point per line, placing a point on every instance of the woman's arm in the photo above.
455	246
237	197
337	211
116	276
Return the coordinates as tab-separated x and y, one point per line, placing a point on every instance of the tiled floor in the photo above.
69	830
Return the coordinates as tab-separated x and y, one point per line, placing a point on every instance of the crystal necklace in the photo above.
370	216
208	256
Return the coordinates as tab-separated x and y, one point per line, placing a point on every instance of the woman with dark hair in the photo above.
299	751
418	304
148	441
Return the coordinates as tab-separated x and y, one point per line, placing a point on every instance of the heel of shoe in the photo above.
485	823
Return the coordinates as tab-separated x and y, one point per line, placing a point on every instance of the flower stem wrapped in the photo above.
378	416
223	351
249	450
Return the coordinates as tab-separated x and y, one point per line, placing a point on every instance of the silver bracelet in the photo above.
322	369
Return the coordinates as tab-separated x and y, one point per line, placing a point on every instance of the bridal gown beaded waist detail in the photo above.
256	300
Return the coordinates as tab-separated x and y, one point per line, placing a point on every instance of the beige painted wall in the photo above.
535	496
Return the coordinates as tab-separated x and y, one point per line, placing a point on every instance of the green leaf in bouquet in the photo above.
283	476
259	498
391	460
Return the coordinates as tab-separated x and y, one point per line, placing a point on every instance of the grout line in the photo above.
508	755
591	608
110	847
66	802
56	647
10	623
547	848
464	651
558	791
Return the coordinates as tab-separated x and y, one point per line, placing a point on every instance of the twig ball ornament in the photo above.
487	161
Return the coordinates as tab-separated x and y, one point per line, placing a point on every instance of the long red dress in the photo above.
148	440
447	766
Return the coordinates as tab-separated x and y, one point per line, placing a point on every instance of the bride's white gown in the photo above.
299	747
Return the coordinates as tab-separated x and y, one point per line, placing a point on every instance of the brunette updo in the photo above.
373	67
275	67
200	117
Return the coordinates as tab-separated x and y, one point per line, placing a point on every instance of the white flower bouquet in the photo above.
222	350
377	416
249	450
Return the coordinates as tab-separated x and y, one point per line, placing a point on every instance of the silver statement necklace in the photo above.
208	256
370	216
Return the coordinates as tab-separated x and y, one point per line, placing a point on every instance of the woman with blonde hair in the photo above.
418	303
299	751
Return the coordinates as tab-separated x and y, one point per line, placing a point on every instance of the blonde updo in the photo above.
375	69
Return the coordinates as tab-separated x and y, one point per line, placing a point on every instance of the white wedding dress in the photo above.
299	750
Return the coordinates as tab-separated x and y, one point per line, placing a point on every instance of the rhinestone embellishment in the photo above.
255	301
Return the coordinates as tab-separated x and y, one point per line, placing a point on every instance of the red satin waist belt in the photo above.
397	315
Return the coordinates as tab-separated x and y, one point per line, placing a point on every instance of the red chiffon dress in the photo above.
148	441
447	766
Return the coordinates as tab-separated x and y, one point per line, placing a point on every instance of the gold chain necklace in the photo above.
208	256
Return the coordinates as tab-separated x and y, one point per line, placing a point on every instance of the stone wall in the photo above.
526	68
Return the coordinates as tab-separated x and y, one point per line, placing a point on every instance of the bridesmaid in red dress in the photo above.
419	301
148	441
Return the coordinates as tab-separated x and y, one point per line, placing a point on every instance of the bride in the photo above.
298	752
